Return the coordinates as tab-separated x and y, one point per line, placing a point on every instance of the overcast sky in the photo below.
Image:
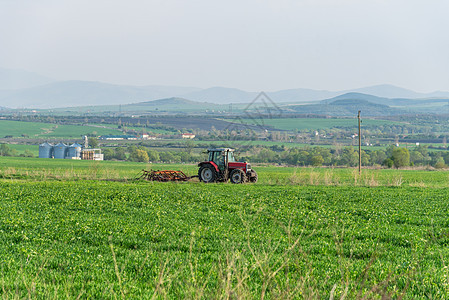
253	45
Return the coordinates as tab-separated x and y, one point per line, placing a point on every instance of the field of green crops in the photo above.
317	123
72	229
49	130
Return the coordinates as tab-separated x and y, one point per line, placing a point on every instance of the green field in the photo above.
138	129
315	123
22	148
68	231
50	131
149	129
16	128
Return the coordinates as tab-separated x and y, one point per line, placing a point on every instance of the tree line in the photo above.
390	157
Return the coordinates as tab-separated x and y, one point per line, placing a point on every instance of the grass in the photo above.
298	233
42	169
49	130
17	129
317	123
150	129
22	148
77	131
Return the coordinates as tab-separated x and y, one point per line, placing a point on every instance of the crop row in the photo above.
99	239
35	169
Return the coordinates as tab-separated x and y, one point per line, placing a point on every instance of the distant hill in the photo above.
83	93
354	97
167	101
221	95
19	79
345	107
171	105
368	108
391	91
428	105
22	89
348	104
301	95
388	91
174	104
384	94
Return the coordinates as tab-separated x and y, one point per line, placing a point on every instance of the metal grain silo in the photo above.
60	150
45	150
74	151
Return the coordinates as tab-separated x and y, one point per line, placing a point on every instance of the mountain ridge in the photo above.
11	79
73	93
82	93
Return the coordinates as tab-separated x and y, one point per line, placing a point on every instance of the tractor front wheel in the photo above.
253	177
238	176
207	174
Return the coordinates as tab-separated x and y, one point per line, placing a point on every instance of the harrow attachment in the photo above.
164	175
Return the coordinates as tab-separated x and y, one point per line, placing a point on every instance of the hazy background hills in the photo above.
17	79
22	89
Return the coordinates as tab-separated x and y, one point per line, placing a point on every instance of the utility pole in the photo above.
360	146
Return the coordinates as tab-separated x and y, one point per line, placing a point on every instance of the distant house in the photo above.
188	136
118	137
147	137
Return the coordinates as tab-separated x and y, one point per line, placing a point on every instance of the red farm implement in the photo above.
164	175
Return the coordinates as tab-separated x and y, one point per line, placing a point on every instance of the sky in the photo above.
251	45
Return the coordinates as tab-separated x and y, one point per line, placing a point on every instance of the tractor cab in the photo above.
221	156
222	166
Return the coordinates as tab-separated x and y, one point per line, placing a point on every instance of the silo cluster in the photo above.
74	151
45	150
60	151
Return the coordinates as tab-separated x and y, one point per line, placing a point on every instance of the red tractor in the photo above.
221	166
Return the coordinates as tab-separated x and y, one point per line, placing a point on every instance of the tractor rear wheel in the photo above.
253	178
238	176
207	174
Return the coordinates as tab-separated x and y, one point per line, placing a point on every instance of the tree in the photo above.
378	157
139	155
5	150
28	153
440	163
416	157
317	160
388	162
189	146
365	158
108	154
185	157
400	157
349	157
423	150
166	156
153	155
93	142
119	153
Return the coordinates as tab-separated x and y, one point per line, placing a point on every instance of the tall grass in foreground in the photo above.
294	176
69	231
242	271
328	177
98	239
36	169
